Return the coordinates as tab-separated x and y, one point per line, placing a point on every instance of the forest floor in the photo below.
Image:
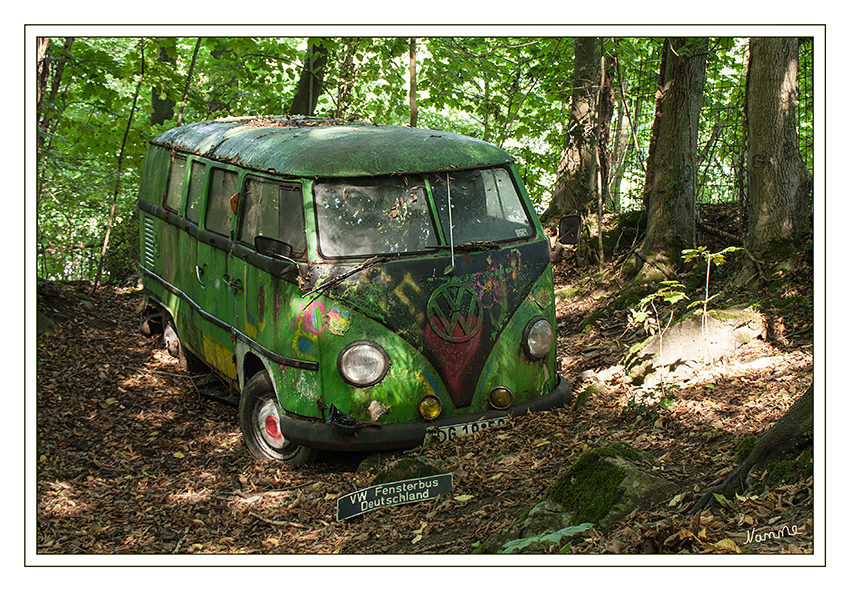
134	459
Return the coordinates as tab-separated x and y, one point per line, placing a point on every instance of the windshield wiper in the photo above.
334	281
477	245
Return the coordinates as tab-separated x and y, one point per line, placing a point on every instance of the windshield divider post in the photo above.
451	229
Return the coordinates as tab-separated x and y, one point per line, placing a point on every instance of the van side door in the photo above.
271	209
218	290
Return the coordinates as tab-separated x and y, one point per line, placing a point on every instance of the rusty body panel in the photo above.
450	321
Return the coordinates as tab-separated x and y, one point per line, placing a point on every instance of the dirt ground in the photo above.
134	458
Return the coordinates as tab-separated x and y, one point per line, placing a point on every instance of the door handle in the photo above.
234	284
199	273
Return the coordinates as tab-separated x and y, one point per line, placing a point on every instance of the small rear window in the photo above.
196	192
174	196
224	184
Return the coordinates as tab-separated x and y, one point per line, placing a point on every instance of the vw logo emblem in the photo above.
454	313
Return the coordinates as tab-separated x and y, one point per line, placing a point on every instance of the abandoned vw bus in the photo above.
361	286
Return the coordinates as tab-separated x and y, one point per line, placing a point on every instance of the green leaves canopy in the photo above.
513	92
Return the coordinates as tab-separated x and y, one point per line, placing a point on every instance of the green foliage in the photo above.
710	258
513	92
547	538
122	260
647	405
714	258
646	315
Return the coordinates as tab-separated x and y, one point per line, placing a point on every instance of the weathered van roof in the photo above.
316	147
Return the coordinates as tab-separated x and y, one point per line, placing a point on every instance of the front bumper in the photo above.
400	436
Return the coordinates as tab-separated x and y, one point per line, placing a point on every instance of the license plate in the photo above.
452	431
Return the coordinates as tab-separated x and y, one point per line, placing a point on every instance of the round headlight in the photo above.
363	363
538	338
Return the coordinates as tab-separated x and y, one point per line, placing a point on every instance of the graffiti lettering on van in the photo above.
313	320
399	292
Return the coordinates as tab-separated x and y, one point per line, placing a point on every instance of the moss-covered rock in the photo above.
601	487
45	324
406	469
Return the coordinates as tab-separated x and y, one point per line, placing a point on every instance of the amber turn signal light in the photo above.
430	407
500	397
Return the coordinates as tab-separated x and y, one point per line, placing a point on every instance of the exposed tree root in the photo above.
790	434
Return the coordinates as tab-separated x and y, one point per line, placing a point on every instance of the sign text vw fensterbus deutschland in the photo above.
392	493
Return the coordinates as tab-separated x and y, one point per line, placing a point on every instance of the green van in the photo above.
361	286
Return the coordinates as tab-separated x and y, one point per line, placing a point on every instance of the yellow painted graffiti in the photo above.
220	357
399	293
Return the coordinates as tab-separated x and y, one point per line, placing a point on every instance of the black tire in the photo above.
171	340
259	416
150	325
188	361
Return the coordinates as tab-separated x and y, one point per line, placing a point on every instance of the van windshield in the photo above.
485	206
371	216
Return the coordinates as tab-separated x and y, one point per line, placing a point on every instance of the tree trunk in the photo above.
790	435
162	105
605	114
414	110
310	85
188	81
671	168
348	72
780	184
43	72
49	69
620	150
572	190
47	112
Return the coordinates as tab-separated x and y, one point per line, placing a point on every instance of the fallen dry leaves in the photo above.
132	458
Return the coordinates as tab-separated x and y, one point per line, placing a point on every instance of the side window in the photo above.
174	196
223	186
274	210
196	192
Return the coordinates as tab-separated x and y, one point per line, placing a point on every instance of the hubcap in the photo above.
268	421
272	427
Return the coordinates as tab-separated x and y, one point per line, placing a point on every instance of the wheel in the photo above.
259	417
151	324
172	342
188	360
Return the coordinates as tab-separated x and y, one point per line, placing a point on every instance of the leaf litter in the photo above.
132	458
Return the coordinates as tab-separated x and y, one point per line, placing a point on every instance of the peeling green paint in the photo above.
338	320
